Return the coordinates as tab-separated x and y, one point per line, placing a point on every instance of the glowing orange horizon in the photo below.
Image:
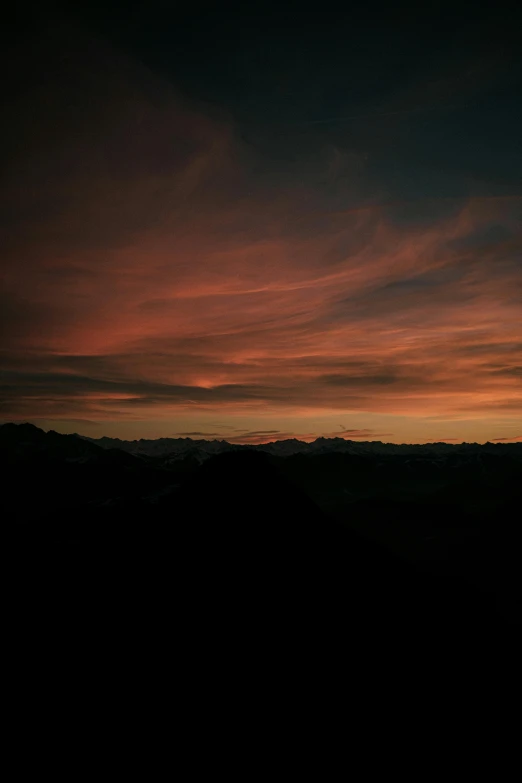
198	290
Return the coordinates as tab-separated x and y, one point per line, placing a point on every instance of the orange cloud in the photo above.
151	266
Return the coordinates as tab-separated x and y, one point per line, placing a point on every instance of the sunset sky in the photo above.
257	223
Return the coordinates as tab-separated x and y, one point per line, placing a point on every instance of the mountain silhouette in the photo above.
288	447
249	543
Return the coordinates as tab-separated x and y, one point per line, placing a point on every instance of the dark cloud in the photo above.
369	434
259	437
48	423
195	434
508	372
262	432
359	380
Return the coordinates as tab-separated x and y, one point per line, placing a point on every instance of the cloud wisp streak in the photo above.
151	267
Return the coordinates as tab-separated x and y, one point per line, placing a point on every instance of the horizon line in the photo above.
448	441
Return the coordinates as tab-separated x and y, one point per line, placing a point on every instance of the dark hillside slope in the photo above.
231	549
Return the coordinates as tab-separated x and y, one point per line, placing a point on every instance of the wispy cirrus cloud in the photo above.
152	267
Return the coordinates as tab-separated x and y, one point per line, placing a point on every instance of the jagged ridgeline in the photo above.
398	526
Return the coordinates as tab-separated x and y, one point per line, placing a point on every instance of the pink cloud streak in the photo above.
153	271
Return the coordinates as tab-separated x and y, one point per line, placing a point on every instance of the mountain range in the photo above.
289	447
283	535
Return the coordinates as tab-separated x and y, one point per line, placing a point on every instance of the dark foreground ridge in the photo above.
246	544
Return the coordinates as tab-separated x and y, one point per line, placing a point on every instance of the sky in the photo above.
256	222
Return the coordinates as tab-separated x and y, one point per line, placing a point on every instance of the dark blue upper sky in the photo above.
430	92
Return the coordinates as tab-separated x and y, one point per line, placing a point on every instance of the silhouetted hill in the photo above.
325	542
24	441
254	534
